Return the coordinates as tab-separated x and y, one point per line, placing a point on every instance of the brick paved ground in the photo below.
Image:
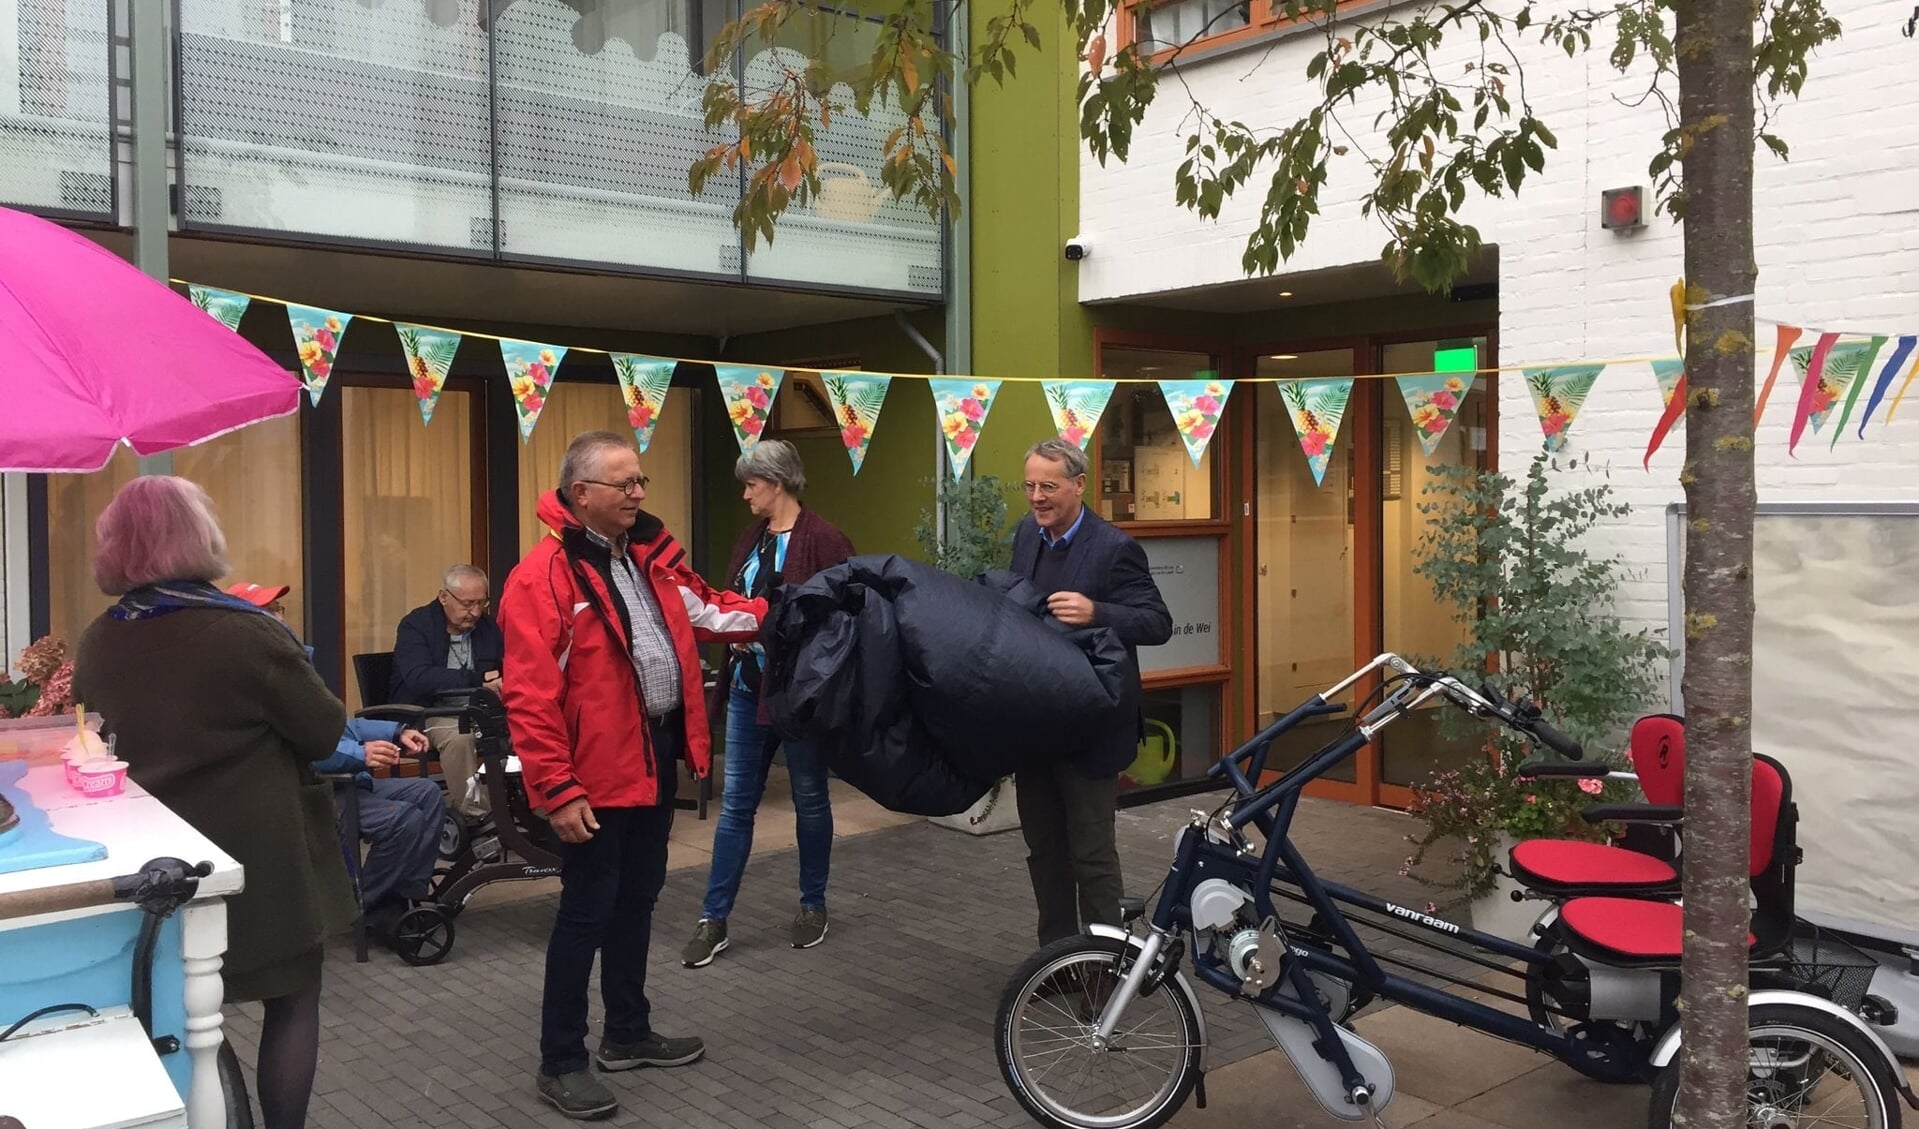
888	1024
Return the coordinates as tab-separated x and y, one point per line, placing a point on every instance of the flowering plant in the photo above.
1470	806
42	685
1514	560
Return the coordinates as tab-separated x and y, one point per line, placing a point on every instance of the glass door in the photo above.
1304	558
1413	622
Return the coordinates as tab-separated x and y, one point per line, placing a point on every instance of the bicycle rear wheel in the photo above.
1045	1040
1805	1069
233	1088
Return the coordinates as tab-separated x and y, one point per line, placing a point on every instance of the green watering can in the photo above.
1158	752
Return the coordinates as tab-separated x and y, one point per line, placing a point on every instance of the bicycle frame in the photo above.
1213	849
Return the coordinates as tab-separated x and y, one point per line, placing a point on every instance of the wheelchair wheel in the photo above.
1044	1034
423	935
233	1088
1805	1067
453	836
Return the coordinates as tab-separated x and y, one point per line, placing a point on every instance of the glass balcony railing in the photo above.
524	131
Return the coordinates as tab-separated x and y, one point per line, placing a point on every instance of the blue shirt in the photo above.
750	573
1046	537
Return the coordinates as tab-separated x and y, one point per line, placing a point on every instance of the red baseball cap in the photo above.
259	595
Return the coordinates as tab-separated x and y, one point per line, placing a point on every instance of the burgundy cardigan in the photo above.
815	545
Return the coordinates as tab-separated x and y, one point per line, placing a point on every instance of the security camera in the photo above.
1077	248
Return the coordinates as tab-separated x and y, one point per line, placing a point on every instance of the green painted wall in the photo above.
1027	320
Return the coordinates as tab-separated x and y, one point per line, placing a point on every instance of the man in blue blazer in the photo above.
1092	574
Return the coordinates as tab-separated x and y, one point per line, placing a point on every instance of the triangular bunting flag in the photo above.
1811	369
317	334
962	405
1076	406
224	306
1317	406
1196	406
529	372
1900	355
857	398
1782	345
1670	372
748	391
643	385
1825	369
1858	386
1558	394
429	354
1433	399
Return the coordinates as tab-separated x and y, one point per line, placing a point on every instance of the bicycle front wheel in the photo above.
1045	1040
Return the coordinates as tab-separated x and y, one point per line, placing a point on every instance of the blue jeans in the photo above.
749	754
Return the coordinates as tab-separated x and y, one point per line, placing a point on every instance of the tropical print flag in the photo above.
1196	406
223	306
748	391
857	398
317	334
643	385
1076	406
1558	394
962	405
1433	399
1317	406
429	356
529	372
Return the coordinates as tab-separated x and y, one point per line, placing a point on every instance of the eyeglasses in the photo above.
1043	489
479	604
625	487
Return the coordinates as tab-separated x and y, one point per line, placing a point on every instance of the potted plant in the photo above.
1515	562
42	681
978	539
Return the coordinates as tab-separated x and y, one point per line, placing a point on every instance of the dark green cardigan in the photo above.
220	716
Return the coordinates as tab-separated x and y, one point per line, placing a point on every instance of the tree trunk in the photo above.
1714	44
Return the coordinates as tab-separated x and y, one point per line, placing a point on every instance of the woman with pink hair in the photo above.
219	715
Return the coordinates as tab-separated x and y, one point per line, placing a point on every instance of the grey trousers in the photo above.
1072	853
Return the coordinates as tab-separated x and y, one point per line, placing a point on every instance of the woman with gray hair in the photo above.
786	544
219	715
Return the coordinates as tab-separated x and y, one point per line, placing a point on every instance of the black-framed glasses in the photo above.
477	604
626	486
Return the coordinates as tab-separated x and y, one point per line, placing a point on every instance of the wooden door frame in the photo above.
1399	795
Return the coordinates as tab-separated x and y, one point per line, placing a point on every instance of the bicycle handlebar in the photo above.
163	883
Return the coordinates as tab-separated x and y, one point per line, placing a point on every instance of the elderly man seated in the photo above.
400	817
451	643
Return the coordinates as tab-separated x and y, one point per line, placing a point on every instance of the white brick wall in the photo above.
1838	248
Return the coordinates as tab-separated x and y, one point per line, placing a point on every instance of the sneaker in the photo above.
578	1095
654	1050
809	928
709	941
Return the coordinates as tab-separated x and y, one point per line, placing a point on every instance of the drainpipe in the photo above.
147	88
939	443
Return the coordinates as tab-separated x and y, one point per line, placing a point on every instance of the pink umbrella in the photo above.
93	353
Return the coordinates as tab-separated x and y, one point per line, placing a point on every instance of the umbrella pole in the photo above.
148	83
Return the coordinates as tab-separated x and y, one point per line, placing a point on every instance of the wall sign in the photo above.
1187	572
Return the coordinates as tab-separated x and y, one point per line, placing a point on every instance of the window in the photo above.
253	477
408	492
573	407
1163	27
1181	740
1143	470
1159	27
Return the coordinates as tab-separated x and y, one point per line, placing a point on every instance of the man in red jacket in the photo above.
603	694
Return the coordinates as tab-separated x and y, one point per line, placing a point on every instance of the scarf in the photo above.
169	596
